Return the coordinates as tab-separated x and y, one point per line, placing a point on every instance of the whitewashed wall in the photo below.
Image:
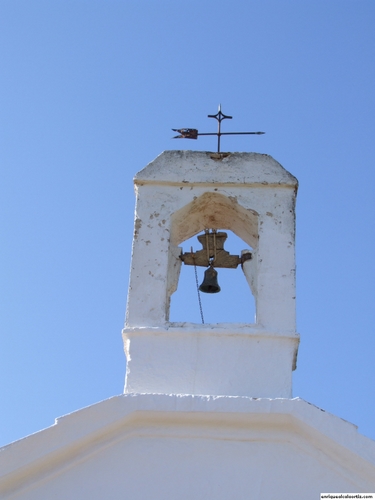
166	447
178	195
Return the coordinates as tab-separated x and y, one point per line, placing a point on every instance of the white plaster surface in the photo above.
190	447
222	359
245	168
178	195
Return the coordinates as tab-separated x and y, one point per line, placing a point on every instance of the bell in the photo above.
210	284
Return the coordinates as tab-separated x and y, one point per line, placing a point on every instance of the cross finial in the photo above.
192	133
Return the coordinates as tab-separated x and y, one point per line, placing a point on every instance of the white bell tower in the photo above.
181	194
207	410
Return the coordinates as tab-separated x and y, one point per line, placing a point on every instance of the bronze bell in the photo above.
210	284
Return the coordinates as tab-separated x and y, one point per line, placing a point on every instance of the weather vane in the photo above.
192	133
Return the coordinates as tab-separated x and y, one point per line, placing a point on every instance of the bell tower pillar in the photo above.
178	195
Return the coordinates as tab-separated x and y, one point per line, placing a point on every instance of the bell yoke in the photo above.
212	254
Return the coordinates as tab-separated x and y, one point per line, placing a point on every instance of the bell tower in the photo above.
179	431
184	193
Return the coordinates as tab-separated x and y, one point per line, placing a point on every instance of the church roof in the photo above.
38	459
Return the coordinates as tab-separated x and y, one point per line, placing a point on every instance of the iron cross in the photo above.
192	133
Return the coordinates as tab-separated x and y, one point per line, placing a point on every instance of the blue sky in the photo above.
89	92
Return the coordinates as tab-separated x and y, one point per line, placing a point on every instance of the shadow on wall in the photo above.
233	304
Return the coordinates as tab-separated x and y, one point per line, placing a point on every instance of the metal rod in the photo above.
230	133
219	129
207	247
214	231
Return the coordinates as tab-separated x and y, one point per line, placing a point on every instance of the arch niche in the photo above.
211	210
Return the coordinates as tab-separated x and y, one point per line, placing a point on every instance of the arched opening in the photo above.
233	304
214	211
